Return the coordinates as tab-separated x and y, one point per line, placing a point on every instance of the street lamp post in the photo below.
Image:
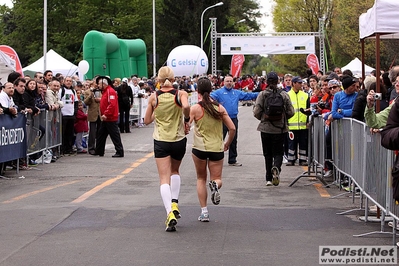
202	22
154	47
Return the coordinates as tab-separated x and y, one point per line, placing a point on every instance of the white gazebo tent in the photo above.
381	19
379	22
54	62
356	67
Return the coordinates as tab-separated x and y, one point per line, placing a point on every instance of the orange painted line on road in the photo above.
127	170
323	193
149	155
23	196
96	189
134	165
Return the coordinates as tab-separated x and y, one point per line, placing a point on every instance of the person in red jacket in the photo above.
109	111
81	126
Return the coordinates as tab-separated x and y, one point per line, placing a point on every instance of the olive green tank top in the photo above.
208	133
169	123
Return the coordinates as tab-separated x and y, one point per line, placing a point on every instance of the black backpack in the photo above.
274	106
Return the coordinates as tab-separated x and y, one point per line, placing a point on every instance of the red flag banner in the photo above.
13	55
237	61
313	63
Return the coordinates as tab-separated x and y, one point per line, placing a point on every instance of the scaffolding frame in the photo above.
214	35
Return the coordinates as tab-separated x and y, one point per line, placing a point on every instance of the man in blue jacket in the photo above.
229	98
344	100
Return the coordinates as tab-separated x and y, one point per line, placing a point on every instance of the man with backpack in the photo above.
273	108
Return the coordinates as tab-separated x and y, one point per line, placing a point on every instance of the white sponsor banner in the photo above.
268	45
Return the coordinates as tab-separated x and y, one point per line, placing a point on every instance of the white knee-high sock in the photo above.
175	186
166	197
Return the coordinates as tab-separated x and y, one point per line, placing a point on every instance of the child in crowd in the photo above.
81	126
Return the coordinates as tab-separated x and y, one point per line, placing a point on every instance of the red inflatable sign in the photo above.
313	63
237	61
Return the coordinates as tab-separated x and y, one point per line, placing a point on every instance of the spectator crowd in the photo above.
334	95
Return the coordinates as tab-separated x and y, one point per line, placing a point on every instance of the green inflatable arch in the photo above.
118	58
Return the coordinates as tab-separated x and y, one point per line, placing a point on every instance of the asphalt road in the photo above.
86	210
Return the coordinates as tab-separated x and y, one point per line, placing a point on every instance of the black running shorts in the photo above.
176	150
212	156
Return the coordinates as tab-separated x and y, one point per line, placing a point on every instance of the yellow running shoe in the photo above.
176	211
170	222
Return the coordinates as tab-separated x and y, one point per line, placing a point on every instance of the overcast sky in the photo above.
267	19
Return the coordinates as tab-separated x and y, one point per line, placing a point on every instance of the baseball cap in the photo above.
297	79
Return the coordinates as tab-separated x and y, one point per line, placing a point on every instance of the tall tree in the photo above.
344	36
180	23
300	16
68	22
344	32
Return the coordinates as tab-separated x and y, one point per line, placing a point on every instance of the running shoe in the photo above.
285	160
268	183
176	211
170	222
276	176
235	164
215	195
32	163
328	173
204	217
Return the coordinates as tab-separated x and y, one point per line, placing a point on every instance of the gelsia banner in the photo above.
13	55
12	137
313	63
237	61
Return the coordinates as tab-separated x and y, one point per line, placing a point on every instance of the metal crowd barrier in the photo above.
316	150
358	155
43	131
137	111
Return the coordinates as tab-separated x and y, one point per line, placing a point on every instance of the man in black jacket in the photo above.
19	90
